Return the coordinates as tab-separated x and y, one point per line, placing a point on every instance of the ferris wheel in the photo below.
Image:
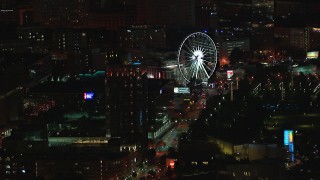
197	58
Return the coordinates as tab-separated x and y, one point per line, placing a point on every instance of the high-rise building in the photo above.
25	14
61	13
289	38
137	37
8	13
235	18
227	46
135	12
183	13
69	39
126	102
172	14
37	37
116	14
206	13
312	36
262	25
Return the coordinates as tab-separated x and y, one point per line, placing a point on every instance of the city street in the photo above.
171	138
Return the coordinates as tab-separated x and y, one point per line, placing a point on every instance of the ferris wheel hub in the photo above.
198	55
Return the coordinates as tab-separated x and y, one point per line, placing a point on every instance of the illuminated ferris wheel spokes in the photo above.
197	57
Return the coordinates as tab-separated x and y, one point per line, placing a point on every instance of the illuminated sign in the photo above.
88	95
313	55
136	63
181	90
229	74
288	137
288	142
